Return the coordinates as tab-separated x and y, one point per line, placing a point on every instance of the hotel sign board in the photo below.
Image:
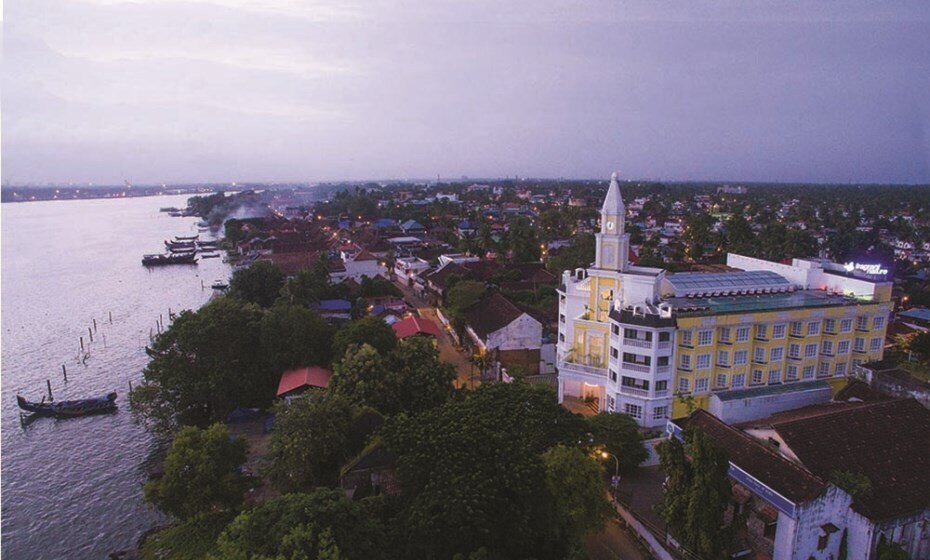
870	269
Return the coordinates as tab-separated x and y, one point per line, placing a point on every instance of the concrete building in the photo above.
654	345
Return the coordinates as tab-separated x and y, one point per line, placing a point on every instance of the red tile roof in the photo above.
415	325
313	376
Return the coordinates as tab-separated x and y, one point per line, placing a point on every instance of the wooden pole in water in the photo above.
82	344
64	372
111	317
104	340
90	334
48	383
95	325
130	386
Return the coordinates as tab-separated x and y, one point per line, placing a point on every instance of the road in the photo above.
448	352
615	542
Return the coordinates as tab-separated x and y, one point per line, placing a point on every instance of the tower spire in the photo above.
613	202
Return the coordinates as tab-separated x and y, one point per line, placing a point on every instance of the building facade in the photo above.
655	345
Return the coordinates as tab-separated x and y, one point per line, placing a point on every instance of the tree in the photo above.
696	495
576	484
368	330
314	437
891	551
201	473
577	255
322	525
309	286
462	295
856	484
619	435
205	365
294	336
411	378
472	473
523	243
260	283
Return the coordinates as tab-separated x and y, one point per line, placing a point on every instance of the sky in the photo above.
172	91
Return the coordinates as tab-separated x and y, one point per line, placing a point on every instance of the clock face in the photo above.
610	225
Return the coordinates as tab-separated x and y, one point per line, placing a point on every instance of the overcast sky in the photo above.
291	90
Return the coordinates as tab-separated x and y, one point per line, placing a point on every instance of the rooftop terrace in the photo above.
760	302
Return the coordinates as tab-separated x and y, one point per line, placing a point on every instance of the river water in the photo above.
73	488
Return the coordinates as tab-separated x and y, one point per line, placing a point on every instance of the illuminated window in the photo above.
721	380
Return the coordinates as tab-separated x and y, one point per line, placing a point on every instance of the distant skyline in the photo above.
199	91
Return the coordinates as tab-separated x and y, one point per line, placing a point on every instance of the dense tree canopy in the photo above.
576	483
201	473
619	435
577	255
473	475
259	283
294	336
323	525
368	330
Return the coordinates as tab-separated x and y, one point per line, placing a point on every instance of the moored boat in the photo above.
186	237
69	409
180	258
180	244
219	285
209	255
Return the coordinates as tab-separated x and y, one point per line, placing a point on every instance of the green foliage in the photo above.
369	330
891	551
619	435
193	539
309	286
293	336
313	437
856	484
472	474
260	283
322	525
523	243
696	495
206	364
378	287
462	295
201	473
575	482
920	345
843	553
577	255
411	378
204	205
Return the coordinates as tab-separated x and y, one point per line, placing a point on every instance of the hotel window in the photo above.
740	357
840	370
875	345
638	359
723	358
846	325
827	348
756	376
842	347
878	323
703	361
684	385
813	328
778	354
778	331
823	370
660	413
633	410
794	350
758	354
633	382
721	380
797	328
665	336
661	385
684	362
686	338
705	338
700	386
829	326
615	329
742	334
739	380
611	403
613	376
791	373
862	323
859	346
725	334
807	372
614	353
774	376
810	350
662	360
561	337
561	318
762	331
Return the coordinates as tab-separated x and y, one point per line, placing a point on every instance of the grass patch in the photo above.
190	540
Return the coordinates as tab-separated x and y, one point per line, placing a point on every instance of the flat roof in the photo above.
768	390
759	302
705	282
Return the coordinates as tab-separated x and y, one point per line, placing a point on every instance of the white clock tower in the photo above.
613	243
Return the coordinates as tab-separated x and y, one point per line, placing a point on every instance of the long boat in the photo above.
186	237
69	409
180	244
158	260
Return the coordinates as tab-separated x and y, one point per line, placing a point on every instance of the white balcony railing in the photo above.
664	344
663	369
639	368
634	391
581	368
637	343
661	392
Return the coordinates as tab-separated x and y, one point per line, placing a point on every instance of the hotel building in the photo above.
655	345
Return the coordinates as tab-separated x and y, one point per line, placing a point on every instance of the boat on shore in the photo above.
69	409
209	255
160	259
180	238
180	244
219	285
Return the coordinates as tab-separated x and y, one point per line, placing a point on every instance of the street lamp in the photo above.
615	480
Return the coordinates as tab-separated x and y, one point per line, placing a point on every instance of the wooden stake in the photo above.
48	383
111	317
130	386
95	325
82	344
90	334
64	372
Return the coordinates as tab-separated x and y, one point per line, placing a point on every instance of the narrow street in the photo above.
615	542
467	374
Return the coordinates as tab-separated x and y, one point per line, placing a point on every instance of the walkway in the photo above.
615	542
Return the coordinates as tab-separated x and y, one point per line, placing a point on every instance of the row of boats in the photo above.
183	250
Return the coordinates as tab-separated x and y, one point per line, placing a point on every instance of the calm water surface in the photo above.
72	488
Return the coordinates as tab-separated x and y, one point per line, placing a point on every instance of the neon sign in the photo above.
873	269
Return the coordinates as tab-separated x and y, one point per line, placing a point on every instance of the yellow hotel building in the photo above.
763	338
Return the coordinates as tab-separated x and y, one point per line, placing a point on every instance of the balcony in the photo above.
638	368
664	369
637	343
582	368
661	392
635	391
664	344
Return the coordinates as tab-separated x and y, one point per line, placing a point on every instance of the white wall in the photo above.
523	333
